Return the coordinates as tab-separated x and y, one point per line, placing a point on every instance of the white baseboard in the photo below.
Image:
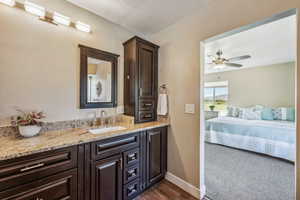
189	188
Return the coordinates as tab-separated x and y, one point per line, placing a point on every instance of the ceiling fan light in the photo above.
221	66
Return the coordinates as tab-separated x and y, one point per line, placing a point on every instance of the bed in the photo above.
274	138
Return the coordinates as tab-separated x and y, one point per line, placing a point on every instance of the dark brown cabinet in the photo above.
140	79
62	186
141	158
25	169
117	168
107	179
51	179
156	155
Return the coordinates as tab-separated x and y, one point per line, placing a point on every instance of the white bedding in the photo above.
275	138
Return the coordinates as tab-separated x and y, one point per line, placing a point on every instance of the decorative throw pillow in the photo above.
267	114
286	114
233	111
291	116
249	114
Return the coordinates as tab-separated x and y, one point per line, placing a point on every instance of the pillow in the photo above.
257	108
233	111
267	114
249	114
286	114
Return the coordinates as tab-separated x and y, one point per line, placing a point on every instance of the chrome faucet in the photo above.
103	120
95	121
103	113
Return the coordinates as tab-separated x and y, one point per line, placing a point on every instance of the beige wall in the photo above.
180	69
39	62
271	86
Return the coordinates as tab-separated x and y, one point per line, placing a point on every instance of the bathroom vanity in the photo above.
108	163
112	166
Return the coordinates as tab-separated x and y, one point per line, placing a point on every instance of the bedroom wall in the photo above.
271	86
39	62
180	70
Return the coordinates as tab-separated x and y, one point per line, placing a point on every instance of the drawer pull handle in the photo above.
132	156
114	144
121	163
148	116
141	92
148	104
32	167
131	189
132	172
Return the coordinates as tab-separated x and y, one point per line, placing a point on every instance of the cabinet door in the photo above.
156	155
147	69
107	179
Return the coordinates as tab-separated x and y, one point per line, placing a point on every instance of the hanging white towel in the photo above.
162	106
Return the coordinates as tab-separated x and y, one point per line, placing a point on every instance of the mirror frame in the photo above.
86	52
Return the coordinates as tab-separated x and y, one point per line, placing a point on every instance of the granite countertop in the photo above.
13	147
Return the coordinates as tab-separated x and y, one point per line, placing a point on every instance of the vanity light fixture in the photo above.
35	9
61	19
8	2
46	16
83	27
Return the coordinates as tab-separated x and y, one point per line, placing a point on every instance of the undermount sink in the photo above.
106	129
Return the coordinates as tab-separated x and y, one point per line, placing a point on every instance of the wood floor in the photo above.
165	191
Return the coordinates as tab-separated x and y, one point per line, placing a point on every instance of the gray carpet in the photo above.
233	174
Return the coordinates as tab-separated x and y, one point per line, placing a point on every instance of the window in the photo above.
216	94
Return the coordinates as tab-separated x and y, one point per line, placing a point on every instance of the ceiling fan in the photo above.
221	62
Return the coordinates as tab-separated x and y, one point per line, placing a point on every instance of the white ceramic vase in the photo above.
29	131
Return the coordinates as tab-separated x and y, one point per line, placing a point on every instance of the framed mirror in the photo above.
98	78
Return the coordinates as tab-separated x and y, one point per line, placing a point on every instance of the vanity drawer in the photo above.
146	105
145	116
131	157
112	146
29	168
61	186
131	190
131	173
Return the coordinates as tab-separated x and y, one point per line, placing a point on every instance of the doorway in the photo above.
219	91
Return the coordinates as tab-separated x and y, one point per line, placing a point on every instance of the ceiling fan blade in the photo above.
233	65
239	58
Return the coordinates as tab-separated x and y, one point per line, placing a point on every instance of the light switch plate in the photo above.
190	108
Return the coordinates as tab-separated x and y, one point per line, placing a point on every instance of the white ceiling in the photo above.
142	16
268	44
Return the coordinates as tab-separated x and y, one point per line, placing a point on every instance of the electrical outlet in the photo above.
190	108
120	109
